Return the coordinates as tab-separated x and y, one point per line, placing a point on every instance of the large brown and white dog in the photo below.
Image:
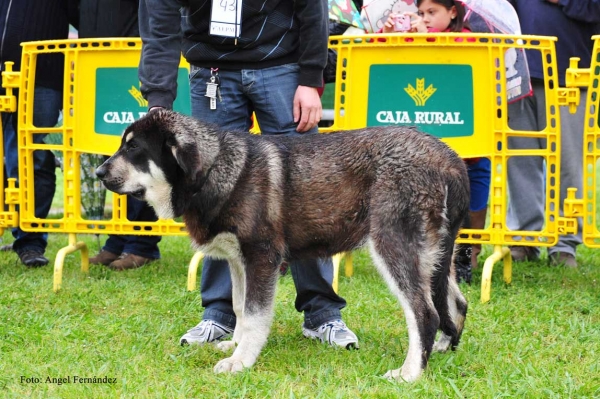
256	200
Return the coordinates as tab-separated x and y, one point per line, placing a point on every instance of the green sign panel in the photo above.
119	101
436	98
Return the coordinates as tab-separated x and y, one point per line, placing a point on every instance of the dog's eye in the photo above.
131	146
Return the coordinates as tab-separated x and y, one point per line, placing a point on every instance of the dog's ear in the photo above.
187	157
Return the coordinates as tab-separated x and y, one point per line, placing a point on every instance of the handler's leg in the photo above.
571	175
232	112
321	305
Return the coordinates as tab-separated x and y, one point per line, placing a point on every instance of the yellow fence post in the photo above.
60	259
587	206
8	103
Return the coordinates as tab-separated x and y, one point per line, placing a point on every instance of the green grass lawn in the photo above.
537	338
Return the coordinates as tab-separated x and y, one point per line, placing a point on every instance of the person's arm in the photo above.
160	27
581	10
314	33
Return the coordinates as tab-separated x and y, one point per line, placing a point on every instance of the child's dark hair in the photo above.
458	23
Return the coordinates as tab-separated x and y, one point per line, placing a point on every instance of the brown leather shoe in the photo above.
563	259
524	254
103	258
129	261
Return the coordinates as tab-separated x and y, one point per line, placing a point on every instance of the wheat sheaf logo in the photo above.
420	95
135	93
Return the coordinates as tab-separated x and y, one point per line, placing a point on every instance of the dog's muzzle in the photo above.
101	171
115	184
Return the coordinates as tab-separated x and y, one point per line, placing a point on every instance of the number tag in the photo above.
211	90
226	18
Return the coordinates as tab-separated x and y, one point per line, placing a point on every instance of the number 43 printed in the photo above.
226	18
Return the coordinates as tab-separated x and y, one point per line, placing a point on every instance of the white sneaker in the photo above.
205	332
334	333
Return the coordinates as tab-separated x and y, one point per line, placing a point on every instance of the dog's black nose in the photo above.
101	171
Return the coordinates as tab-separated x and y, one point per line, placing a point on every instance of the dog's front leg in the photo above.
238	295
254	321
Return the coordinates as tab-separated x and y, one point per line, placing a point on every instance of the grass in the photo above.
537	338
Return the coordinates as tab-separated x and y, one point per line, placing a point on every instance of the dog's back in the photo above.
358	177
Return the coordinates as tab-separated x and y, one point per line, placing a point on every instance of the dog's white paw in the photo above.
442	344
229	365
399	376
226	346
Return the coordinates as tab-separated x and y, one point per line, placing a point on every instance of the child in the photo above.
433	16
449	16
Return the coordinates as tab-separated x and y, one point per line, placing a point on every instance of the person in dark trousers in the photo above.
23	21
119	18
273	67
573	22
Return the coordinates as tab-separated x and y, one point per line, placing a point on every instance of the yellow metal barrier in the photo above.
101	97
393	79
375	73
587	207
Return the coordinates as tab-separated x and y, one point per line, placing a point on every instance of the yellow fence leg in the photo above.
348	266
336	260
486	277
193	270
60	259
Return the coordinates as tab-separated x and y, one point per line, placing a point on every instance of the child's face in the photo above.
435	15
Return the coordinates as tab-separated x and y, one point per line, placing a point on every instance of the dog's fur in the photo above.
256	200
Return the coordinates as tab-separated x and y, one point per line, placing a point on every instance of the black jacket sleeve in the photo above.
314	35
160	30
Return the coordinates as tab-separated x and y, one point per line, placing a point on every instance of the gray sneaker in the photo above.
334	333
205	332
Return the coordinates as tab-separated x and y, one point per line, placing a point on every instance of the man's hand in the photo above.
307	108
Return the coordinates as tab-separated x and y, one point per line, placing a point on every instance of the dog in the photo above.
256	200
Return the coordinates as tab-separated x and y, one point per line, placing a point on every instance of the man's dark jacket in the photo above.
33	20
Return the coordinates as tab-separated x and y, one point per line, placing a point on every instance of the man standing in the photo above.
262	56
23	21
573	22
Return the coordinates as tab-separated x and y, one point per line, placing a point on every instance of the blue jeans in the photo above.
269	93
479	178
46	109
145	246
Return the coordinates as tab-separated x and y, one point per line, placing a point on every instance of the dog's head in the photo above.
163	157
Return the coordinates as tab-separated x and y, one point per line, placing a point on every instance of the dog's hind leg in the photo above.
458	310
260	272
407	274
441	296
448	300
